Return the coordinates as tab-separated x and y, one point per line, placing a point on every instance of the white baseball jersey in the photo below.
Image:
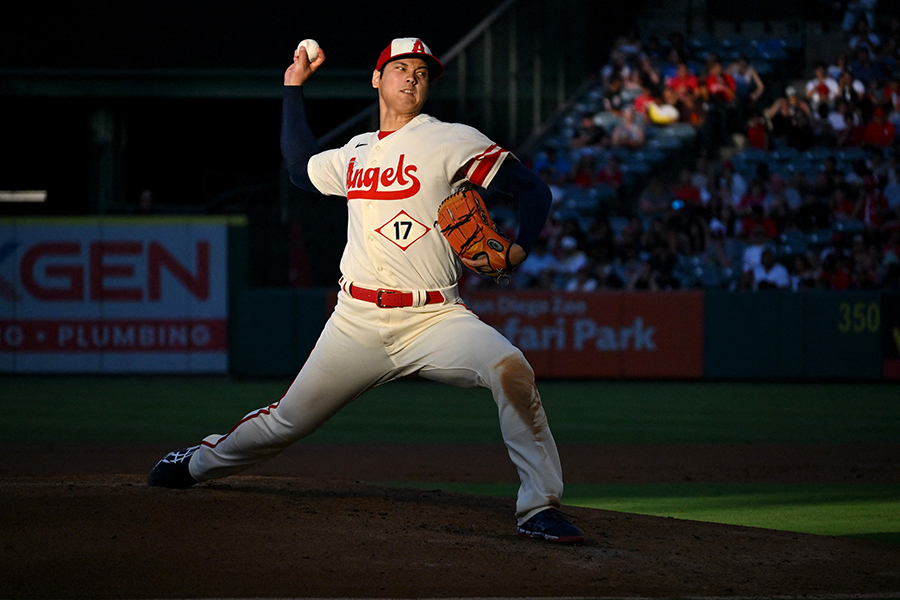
393	187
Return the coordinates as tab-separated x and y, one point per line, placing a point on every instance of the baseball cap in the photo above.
410	47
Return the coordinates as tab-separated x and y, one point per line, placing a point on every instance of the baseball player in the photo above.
398	311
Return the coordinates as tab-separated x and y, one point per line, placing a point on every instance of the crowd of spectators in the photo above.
741	213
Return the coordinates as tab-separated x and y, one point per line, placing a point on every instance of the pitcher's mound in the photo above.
109	536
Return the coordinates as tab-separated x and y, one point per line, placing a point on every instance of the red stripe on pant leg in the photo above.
262	411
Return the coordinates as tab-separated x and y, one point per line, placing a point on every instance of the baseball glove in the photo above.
467	225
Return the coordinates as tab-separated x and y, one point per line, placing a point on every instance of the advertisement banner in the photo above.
114	295
584	335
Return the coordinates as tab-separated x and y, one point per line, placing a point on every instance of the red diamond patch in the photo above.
403	230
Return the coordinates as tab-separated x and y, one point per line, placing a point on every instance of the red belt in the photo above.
392	298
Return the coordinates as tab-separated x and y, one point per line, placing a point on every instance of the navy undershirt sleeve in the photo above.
298	144
534	198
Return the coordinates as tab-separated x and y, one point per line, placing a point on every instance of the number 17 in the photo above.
397	225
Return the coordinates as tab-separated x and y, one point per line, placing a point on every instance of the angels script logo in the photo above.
375	183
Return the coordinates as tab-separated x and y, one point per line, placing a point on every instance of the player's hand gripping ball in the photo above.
467	225
311	48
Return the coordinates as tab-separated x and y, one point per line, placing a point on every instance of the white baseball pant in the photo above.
363	346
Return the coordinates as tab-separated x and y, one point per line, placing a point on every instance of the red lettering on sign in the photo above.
158	257
106	262
101	271
74	274
114	335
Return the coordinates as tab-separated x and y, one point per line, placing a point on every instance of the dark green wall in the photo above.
749	335
274	330
786	335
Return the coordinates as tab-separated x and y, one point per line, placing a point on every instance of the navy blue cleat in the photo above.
172	471
551	525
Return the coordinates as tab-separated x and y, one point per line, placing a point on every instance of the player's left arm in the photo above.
534	200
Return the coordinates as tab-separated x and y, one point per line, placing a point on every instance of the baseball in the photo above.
310	46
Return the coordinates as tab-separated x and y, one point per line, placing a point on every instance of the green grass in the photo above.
181	410
752	413
869	511
175	409
125	409
859	510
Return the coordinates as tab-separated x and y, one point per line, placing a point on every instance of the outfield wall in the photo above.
677	335
169	295
117	294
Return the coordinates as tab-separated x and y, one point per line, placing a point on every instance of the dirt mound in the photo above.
110	536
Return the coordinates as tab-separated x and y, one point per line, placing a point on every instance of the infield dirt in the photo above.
79	522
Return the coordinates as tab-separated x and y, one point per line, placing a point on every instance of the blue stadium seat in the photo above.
849	226
751	154
849	155
734	250
711	276
763	68
793	241
820	238
785	153
819	153
652	156
617	224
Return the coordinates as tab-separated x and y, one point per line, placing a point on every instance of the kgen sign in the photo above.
113	295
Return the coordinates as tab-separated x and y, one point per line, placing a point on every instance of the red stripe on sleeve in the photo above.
481	166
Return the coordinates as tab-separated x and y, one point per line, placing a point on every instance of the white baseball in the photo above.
310	46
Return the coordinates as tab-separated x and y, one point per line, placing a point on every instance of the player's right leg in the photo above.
462	350
348	359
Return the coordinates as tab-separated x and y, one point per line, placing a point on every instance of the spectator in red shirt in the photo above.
835	273
756	195
683	79
685	190
757	218
643	99
757	132
611	173
720	84
853	134
880	131
583	175
872	207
